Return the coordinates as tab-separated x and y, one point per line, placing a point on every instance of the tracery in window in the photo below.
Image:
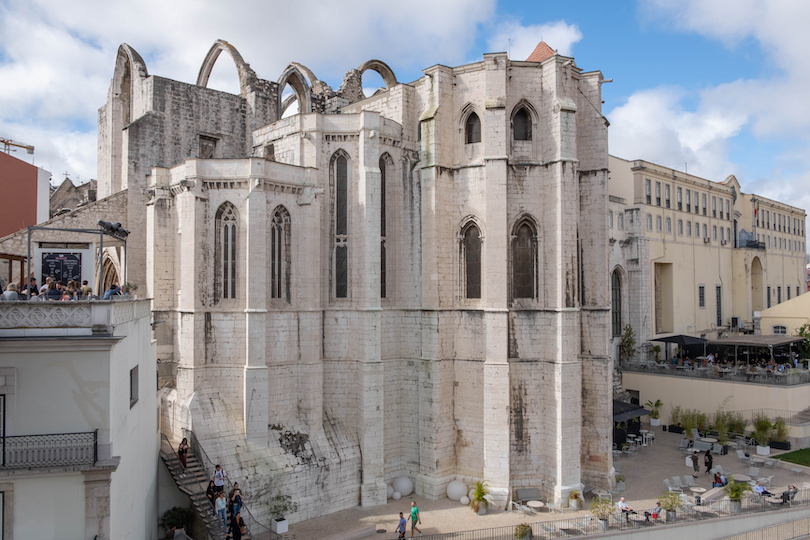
472	129
340	175
225	225
280	254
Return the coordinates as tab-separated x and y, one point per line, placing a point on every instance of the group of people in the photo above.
222	505
56	291
708	461
415	518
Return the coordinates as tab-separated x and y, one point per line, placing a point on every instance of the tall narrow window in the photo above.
658	223
382	227
471	244
703	200
719	299
225	223
649	222
658	193
680	226
133	386
280	254
472	129
621	220
688	200
666	195
779	294
524	261
649	191
769	296
610	219
680	198
341	275
688	228
616	303
714	207
522	125
701	296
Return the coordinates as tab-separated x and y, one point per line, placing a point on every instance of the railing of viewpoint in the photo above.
256	529
792	377
590	525
781	531
52	450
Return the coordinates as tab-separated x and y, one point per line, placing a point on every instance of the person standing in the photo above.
86	289
112	291
219	479
695	464
401	526
415	517
212	496
236	501
182	451
237	526
220	507
708	460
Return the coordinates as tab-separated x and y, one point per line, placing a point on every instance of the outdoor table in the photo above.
535	505
709	440
697	490
603	493
758	460
742	477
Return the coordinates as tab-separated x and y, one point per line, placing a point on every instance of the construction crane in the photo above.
8	143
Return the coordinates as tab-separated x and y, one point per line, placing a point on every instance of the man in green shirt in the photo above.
415	518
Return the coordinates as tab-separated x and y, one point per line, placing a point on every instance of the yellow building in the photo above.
785	318
693	256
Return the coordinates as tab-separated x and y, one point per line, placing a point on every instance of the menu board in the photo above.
62	267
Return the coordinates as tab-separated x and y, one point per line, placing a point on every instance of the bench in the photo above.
712	495
526	494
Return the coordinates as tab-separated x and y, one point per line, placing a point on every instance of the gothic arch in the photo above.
109	274
383	69
246	75
523	104
128	64
524	259
303	93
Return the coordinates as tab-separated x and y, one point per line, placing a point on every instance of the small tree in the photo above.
178	517
804	346
657	352
280	505
602	507
627	347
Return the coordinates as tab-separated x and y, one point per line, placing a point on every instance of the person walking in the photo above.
236	501
415	517
237	527
402	526
212	496
221	504
708	460
695	464
182	451
219	479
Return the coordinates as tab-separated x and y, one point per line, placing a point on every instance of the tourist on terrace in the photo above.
112	291
625	508
717	481
708	460
52	292
11	293
759	489
237	525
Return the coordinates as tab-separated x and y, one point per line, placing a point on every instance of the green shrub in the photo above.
675	415
177	517
780	430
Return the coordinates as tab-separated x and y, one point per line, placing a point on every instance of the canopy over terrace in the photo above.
747	340
684	342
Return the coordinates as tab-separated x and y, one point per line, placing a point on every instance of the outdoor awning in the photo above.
682	340
747	340
625	411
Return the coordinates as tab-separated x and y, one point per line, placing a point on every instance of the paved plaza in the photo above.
644	474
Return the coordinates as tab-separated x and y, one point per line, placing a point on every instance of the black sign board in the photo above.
62	267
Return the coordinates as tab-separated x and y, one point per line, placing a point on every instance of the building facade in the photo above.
693	256
78	406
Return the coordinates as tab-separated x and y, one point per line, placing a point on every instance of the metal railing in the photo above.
781	531
750	244
256	529
791	377
590	525
54	450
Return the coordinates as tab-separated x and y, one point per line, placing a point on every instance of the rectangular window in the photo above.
658	223
701	296
787	290
767	219
703	199
341	271
621	220
666	195
705	231
680	198
133	386
714	232
779	294
688	228
649	191
688	200
658	193
719	294
722	235
669	226
680	227
714	207
728	212
610	219
768	297
649	222
797	290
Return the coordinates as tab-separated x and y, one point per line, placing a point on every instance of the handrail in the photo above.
256	529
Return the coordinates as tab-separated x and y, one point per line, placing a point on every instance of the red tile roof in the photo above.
541	52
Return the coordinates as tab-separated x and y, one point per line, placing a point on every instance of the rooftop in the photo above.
541	53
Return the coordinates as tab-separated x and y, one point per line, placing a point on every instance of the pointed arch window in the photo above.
383	275
522	125
280	254
471	255
226	225
616	303
472	129
340	174
524	261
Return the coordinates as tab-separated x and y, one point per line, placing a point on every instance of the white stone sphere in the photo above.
390	491
396	496
456	490
464	500
404	485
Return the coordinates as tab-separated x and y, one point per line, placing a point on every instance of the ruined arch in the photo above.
296	79
383	69
129	69
246	75
109	274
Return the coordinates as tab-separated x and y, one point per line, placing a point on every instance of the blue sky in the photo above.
712	85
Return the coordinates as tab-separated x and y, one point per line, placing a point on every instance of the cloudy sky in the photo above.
714	86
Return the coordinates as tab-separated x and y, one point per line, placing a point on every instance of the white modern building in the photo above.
79	421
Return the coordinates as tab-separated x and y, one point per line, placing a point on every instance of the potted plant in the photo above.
722	432
657	351
575	500
279	506
779	435
762	434
670	501
734	491
524	531
478	498
675	419
627	346
602	508
655	414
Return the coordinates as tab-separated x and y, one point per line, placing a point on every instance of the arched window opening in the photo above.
290	104
472	261
616	303
341	201
270	152
524	261
780	330
472	129
382	227
280	254
522	125
226	222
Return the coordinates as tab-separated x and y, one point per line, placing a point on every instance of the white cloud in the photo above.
521	40
57	58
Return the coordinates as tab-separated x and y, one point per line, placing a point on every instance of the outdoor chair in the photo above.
753	472
683	443
719	468
676	481
522	508
584	524
549	528
743	458
765	480
617	467
717	449
695	434
670	487
554	506
689	481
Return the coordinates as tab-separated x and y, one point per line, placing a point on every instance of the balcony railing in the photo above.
54	450
751	244
790	377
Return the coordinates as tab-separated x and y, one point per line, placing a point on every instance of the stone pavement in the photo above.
644	474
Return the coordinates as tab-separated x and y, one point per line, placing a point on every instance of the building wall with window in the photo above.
406	284
65	376
703	268
785	318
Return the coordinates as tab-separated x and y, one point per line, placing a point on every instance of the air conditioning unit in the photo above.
706	240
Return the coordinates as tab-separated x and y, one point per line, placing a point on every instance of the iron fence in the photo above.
791	377
53	450
781	531
590	525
